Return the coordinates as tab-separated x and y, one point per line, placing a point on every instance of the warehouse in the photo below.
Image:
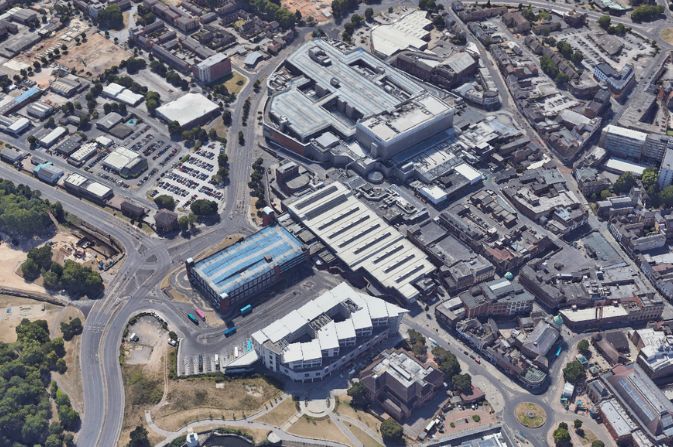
109	121
122	94
362	240
48	173
247	267
319	338
81	155
83	187
52	137
14	126
125	163
189	110
39	110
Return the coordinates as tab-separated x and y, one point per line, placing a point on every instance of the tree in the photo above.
646	13
624	183
138	437
183	223
561	436
79	280
598	444
71	328
34	429
583	347
203	207
649	178
369	14
573	372
241	138
110	17
359	394
462	383
42	256
164	201
577	423
30	270
391	431
666	196
604	21
68	417
447	361
226	117
417	344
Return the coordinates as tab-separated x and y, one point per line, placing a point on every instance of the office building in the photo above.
319	338
666	169
362	240
400	383
656	353
622	141
244	269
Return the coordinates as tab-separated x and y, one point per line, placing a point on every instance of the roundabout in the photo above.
530	415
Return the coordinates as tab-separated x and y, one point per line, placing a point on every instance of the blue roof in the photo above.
248	259
25	96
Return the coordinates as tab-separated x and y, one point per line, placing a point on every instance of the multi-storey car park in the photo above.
334	103
319	338
242	270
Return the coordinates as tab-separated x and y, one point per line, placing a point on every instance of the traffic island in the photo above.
530	415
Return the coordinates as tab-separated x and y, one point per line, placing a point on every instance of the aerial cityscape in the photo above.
336	223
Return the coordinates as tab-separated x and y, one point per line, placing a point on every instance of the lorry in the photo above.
245	310
230	331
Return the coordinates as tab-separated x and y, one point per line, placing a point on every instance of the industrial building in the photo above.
319	338
122	94
189	110
49	139
363	241
409	31
39	110
83	187
334	103
125	163
244	269
48	173
110	120
213	68
84	153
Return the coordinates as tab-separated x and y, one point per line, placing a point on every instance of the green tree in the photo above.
79	280
604	21
203	207
583	347
42	256
391	431
666	196
110	18
69	418
574	372
447	362
561	436
35	429
462	383
577	423
183	223
138	437
417	344
369	14
647	13
30	270
164	201
624	183
649	178
71	328
360	396
598	444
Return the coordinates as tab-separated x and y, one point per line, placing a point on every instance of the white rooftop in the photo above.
120	158
406	32
187	109
625	132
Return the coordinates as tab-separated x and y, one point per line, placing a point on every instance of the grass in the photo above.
281	414
344	408
318	429
142	390
234	84
530	415
588	438
365	439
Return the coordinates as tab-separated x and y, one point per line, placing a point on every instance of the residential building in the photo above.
213	68
330	331
499	298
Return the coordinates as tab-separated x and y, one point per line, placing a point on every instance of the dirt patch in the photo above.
281	414
150	346
10	264
320	10
667	35
318	429
188	400
89	59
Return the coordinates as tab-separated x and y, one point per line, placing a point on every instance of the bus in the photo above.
200	313
230	331
193	319
245	310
